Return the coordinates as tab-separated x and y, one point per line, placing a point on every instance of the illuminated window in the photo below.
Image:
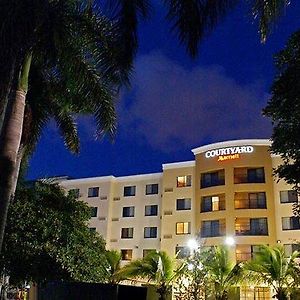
249	175
150	232
212	179
126	254
151	210
151	189
183	228
251	226
183	204
184	181
93	212
213	203
288	196
127	233
93	192
128	211
255	293
244	200
129	191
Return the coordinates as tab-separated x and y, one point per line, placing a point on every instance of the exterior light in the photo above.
192	244
229	240
190	267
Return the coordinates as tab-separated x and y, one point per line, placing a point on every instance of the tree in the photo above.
271	266
74	41
47	238
284	110
112	266
156	267
221	273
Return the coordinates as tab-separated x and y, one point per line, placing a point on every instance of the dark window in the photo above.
290	248
151	189
126	254
151	210
212	178
288	196
129	191
93	212
92	228
249	175
212	228
183	228
213	203
93	192
150	232
127	233
182	252
75	192
183	204
184	181
290	223
128	211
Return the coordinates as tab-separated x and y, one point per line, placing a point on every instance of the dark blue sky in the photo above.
176	103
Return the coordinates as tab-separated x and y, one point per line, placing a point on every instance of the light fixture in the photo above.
229	240
192	244
190	267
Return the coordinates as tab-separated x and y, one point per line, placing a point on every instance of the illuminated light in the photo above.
192	244
230	241
228	157
229	151
190	267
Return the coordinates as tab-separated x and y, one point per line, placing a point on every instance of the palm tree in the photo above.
271	267
112	266
221	273
156	267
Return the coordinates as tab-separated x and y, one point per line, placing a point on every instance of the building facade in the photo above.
228	190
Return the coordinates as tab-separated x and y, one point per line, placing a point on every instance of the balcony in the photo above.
213	228
249	204
253	226
241	230
249	175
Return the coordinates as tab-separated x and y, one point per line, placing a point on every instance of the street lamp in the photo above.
193	245
229	241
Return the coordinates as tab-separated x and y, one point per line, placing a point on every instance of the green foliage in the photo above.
271	267
47	237
112	266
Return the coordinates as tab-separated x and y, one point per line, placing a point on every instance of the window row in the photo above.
150	210
149	232
241	175
126	254
151	189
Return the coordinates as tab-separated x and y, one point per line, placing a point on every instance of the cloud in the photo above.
171	105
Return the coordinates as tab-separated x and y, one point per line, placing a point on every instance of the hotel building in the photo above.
227	190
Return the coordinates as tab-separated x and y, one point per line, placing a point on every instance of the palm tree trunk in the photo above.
281	294
10	143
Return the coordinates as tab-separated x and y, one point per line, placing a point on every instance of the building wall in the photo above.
111	200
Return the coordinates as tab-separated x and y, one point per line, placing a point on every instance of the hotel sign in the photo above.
229	153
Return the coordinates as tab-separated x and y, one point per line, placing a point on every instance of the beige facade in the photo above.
227	191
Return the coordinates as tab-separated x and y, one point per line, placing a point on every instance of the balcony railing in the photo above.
248	179
213	232
250	204
242	230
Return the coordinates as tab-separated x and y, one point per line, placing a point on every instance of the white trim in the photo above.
87	180
250	142
139	177
182	164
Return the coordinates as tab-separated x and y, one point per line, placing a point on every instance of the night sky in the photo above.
176	103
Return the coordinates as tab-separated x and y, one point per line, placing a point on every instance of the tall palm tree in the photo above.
112	266
271	266
156	267
221	273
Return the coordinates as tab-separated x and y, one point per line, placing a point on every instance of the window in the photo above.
212	178
93	212
75	192
288	196
92	229
148	251
150	232
93	192
127	233
251	226
183	228
246	252
255	293
129	191
212	228
182	252
152	189
290	248
244	200
128	211
184	181
290	223
151	210
126	254
249	175
183	204
213	203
